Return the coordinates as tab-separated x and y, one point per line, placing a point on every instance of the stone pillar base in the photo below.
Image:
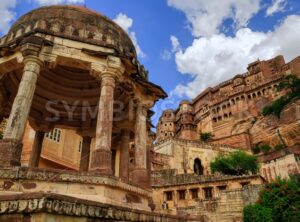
10	152
101	162
141	177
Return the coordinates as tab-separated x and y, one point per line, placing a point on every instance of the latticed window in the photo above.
181	194
208	193
169	195
54	135
194	193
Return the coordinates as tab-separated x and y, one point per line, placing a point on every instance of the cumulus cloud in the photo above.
277	6
207	16
7	14
219	57
126	23
55	2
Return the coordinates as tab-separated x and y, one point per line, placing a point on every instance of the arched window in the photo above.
198	168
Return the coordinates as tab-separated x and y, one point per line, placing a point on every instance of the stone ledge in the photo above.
70	206
165	178
52	175
273	155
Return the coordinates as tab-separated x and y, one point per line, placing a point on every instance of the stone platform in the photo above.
31	194
87	186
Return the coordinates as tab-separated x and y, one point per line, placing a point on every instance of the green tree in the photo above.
281	197
205	137
236	163
257	213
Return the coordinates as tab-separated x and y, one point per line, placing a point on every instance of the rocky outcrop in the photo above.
284	130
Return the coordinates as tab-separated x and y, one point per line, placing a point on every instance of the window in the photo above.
223	187
54	135
194	193
245	183
208	192
169	195
80	146
181	194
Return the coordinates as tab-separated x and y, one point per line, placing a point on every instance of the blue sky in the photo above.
192	44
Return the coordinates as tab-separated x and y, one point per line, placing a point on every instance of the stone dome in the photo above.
75	23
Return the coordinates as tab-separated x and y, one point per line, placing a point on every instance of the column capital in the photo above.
112	67
143	104
34	59
32	45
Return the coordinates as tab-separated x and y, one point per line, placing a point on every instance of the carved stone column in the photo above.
36	149
22	103
11	146
85	153
124	165
101	159
140	174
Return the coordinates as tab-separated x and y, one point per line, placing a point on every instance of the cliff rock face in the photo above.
273	131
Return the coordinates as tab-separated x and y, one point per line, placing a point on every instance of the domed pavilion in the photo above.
73	68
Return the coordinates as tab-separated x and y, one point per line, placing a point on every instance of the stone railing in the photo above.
170	178
196	143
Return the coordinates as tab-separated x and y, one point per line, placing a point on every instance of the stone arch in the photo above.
198	168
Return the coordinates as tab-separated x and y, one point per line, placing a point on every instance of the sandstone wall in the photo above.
181	154
241	141
283	163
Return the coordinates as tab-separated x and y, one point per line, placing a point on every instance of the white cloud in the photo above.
206	16
55	2
218	58
277	6
166	55
7	14
175	43
126	23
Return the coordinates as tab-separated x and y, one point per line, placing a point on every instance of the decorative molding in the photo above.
70	206
23	173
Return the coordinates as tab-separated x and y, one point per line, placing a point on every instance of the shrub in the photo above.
257	213
283	197
236	163
265	148
205	137
256	149
279	201
279	147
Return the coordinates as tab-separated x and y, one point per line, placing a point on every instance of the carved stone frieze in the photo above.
70	206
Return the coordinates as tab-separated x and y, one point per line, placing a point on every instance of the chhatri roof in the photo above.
76	23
